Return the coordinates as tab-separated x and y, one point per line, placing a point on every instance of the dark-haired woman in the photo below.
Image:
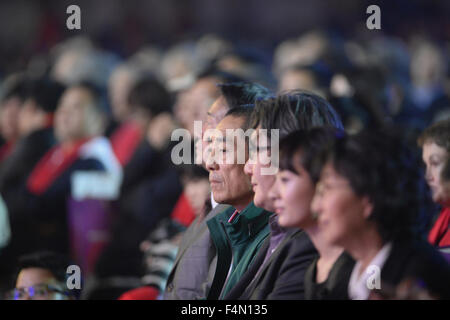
368	204
328	275
435	142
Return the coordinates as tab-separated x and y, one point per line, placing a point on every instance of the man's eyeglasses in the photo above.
38	292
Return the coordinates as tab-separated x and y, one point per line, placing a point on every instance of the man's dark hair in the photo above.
311	143
55	263
241	112
294	110
243	94
45	93
150	94
380	165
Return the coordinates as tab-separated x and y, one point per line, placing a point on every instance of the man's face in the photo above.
31	282
229	183
213	116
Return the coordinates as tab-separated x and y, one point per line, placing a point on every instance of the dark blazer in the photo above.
336	285
281	278
418	260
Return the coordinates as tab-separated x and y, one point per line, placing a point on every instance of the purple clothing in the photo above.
277	235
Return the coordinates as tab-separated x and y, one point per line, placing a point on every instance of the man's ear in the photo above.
367	207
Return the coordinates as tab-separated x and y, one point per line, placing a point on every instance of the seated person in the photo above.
161	245
43	276
435	142
14	94
368	202
150	187
36	138
82	165
286	112
195	263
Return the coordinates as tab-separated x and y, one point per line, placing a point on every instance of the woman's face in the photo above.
435	157
292	194
71	116
342	214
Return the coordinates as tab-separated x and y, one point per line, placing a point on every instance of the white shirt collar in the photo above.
213	202
359	286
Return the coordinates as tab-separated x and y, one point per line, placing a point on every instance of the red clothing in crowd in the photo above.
51	166
183	212
125	140
440	233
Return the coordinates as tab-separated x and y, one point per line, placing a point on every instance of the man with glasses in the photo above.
42	276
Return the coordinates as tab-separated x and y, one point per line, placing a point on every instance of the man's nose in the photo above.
211	164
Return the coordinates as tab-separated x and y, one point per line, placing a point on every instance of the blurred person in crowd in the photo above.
179	66
77	59
358	95
247	63
313	78
368	203
43	276
435	143
151	184
162	244
193	271
80	166
120	83
427	71
15	90
304	50
126	131
193	103
287	112
35	125
36	130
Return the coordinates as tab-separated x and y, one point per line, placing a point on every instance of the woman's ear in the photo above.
367	207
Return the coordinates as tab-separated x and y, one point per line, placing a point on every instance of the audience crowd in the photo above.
358	206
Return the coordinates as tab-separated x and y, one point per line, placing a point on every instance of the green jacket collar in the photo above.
246	224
